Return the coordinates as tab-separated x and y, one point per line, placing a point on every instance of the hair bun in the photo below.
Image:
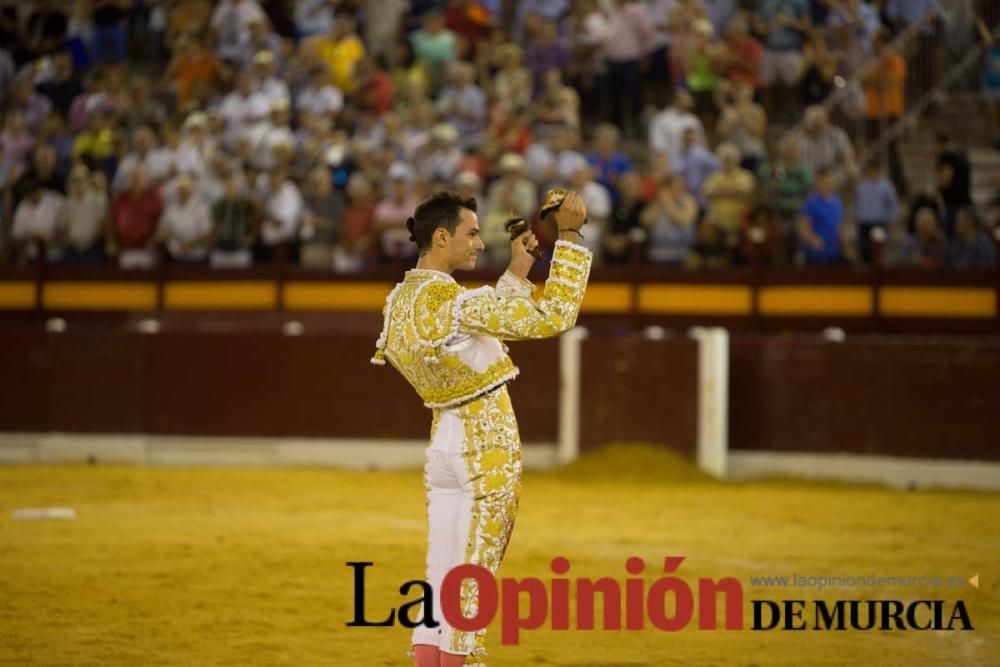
410	222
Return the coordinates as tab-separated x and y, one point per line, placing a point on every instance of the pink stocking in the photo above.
425	655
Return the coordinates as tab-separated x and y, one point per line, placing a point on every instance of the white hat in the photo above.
444	133
468	178
511	162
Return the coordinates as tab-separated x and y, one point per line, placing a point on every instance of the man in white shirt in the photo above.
269	84
35	221
243	109
553	162
666	131
231	23
319	96
283	207
158	164
186	224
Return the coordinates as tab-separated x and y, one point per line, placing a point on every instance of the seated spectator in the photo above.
268	82
234	225
35	221
972	248
96	143
281	204
33	106
463	105
671	223
242	109
554	161
135	216
186	224
267	137
876	206
609	162
64	84
820	224
43	170
510	195
694	163
158	164
927	248
469	185
729	191
324	208
357	239
666	130
262	39
82	217
597	199
391	214
191	65
313	17
625	221
743	123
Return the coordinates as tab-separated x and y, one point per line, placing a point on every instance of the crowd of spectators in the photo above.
234	132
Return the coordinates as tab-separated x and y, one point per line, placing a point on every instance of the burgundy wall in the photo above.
894	396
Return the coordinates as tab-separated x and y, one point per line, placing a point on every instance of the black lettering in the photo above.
897	610
758	605
963	616
827	619
426	601
359	598
793	612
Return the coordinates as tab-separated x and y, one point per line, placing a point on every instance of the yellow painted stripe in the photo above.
222	295
938	302
695	299
99	295
607	298
804	300
336	296
17	295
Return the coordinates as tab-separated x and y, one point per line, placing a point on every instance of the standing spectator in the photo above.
81	219
666	131
785	182
972	247
33	106
158	165
463	105
876	206
231	23
554	161
383	21
681	18
234	223
511	195
186	223
703	60
319	96
991	77
587	30
743	123
630	39
824	146
512	84
530	13
927	248
546	52
272	86
282	206
110	37
16	142
819	68
191	66
375	91
435	46
35	221
141	107
557	105
324	207
729	192
954	180
338	50
357	240
783	24
135	214
64	85
609	162
243	109
313	17
694	163
391	214
742	54
624	221
819	227
45	30
670	221
95	144
597	199
885	93
438	159
44	170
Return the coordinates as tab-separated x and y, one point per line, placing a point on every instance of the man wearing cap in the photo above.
446	341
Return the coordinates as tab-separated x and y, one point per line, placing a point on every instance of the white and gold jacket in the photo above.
446	339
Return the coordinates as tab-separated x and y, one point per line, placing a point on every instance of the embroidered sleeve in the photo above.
433	311
495	312
511	285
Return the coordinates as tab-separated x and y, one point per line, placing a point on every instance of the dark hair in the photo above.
440	210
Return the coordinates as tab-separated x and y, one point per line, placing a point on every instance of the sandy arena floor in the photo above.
246	567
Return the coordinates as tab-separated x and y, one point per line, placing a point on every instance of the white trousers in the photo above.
472	475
